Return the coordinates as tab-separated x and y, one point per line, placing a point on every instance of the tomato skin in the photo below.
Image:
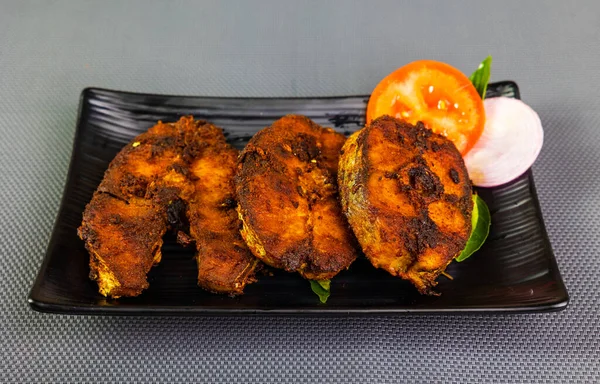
436	94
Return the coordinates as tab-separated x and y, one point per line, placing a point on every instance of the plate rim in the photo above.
38	303
87	90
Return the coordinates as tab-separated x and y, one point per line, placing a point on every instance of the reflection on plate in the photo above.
514	271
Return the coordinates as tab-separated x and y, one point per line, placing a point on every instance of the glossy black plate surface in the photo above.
514	271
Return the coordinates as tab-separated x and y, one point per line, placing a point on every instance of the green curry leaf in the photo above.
481	77
481	221
321	288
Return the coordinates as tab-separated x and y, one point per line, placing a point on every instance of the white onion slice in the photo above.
511	141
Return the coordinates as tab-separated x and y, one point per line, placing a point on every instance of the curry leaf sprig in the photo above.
481	221
321	288
481	77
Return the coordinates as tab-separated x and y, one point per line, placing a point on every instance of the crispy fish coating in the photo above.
150	187
124	241
288	200
225	264
407	196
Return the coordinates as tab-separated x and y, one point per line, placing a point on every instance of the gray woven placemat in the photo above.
50	51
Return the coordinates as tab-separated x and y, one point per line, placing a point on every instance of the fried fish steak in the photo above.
225	264
149	187
407	196
125	221
288	199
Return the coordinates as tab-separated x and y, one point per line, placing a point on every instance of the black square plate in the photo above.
514	271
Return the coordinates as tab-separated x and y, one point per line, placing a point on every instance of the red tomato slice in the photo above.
436	94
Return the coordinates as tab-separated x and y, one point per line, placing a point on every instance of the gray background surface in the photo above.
50	50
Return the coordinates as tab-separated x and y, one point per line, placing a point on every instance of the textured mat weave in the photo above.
50	51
